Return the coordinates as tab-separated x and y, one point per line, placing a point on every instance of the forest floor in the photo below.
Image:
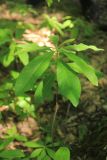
84	128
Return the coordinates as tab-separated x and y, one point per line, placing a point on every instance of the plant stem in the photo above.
54	119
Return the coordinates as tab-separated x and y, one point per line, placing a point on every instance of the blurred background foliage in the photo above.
23	24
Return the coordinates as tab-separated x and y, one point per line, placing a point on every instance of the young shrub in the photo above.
61	62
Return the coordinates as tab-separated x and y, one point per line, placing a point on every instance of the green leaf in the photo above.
68	23
5	36
6	142
44	89
8	59
33	144
46	158
25	159
20	138
42	155
39	94
82	67
55	39
14	74
36	153
62	153
11	154
99	74
53	23
31	73
49	2
27	47
50	152
11	132
75	32
68	83
75	67
47	86
24	57
24	49
67	41
4	94
83	47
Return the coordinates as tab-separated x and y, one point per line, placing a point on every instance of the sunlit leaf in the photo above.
68	23
8	59
5	36
49	2
11	154
53	23
82	67
68	83
24	57
31	73
62	153
36	153
34	144
27	47
83	47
